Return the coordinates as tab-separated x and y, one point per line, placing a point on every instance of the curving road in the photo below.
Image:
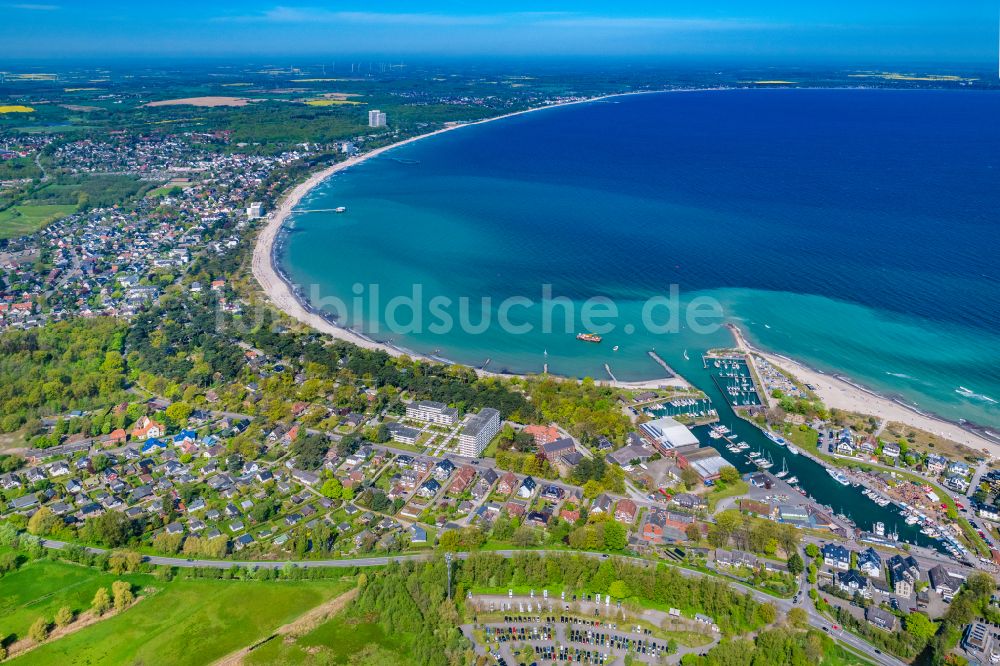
783	605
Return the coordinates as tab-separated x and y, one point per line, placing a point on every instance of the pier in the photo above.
656	357
607	368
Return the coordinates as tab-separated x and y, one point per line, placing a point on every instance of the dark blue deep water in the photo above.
856	230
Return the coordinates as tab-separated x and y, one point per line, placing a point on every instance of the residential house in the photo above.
527	488
890	450
428	488
463	477
936	464
882	619
852	581
870	562
731	559
836	556
945	581
542	434
507	484
904	573
689	501
443	469
557	448
145	428
625	511
602	504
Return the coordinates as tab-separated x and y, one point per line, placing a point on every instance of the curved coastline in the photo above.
282	293
835	390
839	392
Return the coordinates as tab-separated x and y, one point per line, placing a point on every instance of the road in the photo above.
783	605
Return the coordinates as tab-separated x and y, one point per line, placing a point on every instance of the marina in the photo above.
733	378
743	444
697	408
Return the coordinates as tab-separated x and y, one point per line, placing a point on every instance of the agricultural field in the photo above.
28	218
189	622
41	588
337	641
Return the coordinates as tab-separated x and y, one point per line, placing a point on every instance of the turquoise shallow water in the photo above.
854	230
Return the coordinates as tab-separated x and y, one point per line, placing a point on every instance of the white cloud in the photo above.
285	14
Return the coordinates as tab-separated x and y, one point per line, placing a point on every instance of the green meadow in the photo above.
28	218
179	622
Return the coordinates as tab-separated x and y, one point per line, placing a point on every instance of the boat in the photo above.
792	480
839	477
615	348
588	337
340	209
784	469
791	449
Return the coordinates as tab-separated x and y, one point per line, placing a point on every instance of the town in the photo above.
167	431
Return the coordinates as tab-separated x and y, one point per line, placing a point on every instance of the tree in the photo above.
812	550
693	532
332	488
619	590
615	535
124	561
729	474
43	522
591	489
795	564
179	413
122	592
102	601
690	477
981	585
39	630
798	617
767	613
920	626
64	616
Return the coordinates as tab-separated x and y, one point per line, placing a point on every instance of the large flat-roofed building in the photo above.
704	460
666	433
478	432
432	412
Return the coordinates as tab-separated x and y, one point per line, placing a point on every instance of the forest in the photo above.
70	365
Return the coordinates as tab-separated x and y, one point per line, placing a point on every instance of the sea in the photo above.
855	230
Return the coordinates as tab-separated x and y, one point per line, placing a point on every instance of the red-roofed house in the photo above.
463	477
116	437
507	484
542	434
145	428
625	511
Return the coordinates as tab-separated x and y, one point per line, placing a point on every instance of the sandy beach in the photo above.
839	394
278	291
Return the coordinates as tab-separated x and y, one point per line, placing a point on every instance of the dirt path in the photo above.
298	627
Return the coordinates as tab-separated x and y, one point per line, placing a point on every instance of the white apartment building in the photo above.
478	432
429	411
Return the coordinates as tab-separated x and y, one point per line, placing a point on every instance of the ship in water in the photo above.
340	209
588	337
839	477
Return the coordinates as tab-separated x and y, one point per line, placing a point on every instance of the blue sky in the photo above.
943	31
